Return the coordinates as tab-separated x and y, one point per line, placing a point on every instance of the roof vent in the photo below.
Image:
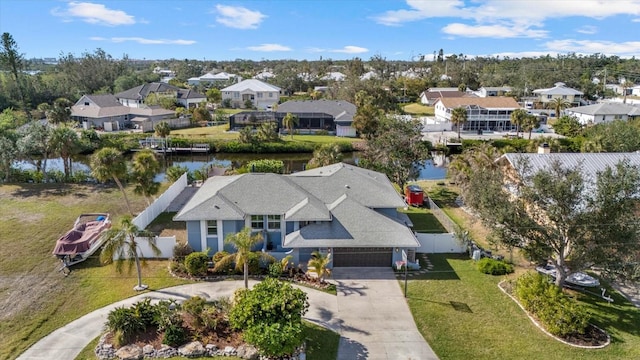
544	148
347	186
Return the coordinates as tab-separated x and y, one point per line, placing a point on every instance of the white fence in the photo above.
444	219
439	243
160	204
165	244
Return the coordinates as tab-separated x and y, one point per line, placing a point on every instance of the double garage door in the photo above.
362	257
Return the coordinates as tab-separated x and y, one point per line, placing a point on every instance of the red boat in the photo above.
83	239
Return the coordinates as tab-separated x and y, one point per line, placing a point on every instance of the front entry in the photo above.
362	257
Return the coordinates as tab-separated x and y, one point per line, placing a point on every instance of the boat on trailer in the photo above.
578	279
83	240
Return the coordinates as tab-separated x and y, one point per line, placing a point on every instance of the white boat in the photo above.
575	279
82	241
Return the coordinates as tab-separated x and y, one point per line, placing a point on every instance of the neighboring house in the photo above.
490	113
436	89
340	209
106	113
560	90
603	112
430	97
334	76
135	97
217	78
261	94
492	91
333	116
264	75
369	75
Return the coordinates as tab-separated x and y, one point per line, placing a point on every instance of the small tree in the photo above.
271	316
530	122
458	118
144	168
107	164
518	117
243	242
318	265
326	154
120	242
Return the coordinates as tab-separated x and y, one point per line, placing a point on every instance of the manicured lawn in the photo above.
34	298
322	344
423	220
463	315
419	109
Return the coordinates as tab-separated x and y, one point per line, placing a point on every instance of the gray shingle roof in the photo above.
606	109
140	92
335	108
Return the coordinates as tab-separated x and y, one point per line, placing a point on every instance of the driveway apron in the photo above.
375	321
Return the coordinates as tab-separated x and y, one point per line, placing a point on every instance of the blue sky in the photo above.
310	29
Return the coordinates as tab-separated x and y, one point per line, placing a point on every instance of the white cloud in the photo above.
587	29
269	48
636	20
622	49
523	17
94	14
492	31
350	49
144	41
238	17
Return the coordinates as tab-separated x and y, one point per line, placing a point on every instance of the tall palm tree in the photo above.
65	143
318	264
558	104
242	242
530	122
326	154
289	121
108	163
518	117
144	168
120	242
459	117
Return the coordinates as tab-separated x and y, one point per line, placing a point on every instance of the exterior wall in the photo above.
345	131
260	99
230	227
586	119
545	98
483	119
194	235
304	254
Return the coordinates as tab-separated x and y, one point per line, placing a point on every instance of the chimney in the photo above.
544	148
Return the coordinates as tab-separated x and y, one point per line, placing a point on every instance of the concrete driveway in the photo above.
374	317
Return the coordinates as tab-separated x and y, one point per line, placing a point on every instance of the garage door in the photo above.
364	257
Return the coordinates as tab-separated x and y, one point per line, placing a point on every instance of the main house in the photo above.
332	116
490	113
135	97
260	94
340	209
603	112
558	91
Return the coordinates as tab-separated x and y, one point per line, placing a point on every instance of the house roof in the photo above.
497	88
606	109
142	91
591	163
252	85
558	89
342	198
102	100
339	109
435	89
493	102
101	106
432	95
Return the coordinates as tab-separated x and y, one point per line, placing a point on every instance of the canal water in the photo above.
433	169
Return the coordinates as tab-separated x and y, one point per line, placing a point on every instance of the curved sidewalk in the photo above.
67	341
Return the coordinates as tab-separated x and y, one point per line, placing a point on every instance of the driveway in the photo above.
375	321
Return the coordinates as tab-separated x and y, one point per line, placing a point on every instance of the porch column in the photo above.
220	235
203	235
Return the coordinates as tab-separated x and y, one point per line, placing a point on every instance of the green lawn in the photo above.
463	315
419	109
423	220
35	299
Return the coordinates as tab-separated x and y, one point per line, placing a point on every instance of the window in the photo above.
257	222
564	96
270	95
212	227
259	95
549	96
273	222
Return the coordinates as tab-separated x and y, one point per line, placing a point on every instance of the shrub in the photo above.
174	335
494	267
181	250
125	321
275	270
194	307
177	267
145	311
219	255
266	166
196	263
560	314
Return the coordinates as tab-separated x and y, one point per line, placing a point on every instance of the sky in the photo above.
327	29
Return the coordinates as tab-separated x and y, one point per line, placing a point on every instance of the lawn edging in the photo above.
539	326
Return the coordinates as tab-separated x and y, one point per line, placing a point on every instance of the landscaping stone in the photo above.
166	351
129	352
247	352
229	350
148	351
192	349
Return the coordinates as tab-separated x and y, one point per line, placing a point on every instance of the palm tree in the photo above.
144	168
319	265
459	117
326	154
65	143
558	104
289	122
530	122
518	117
120	242
163	130
60	112
243	242
108	163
